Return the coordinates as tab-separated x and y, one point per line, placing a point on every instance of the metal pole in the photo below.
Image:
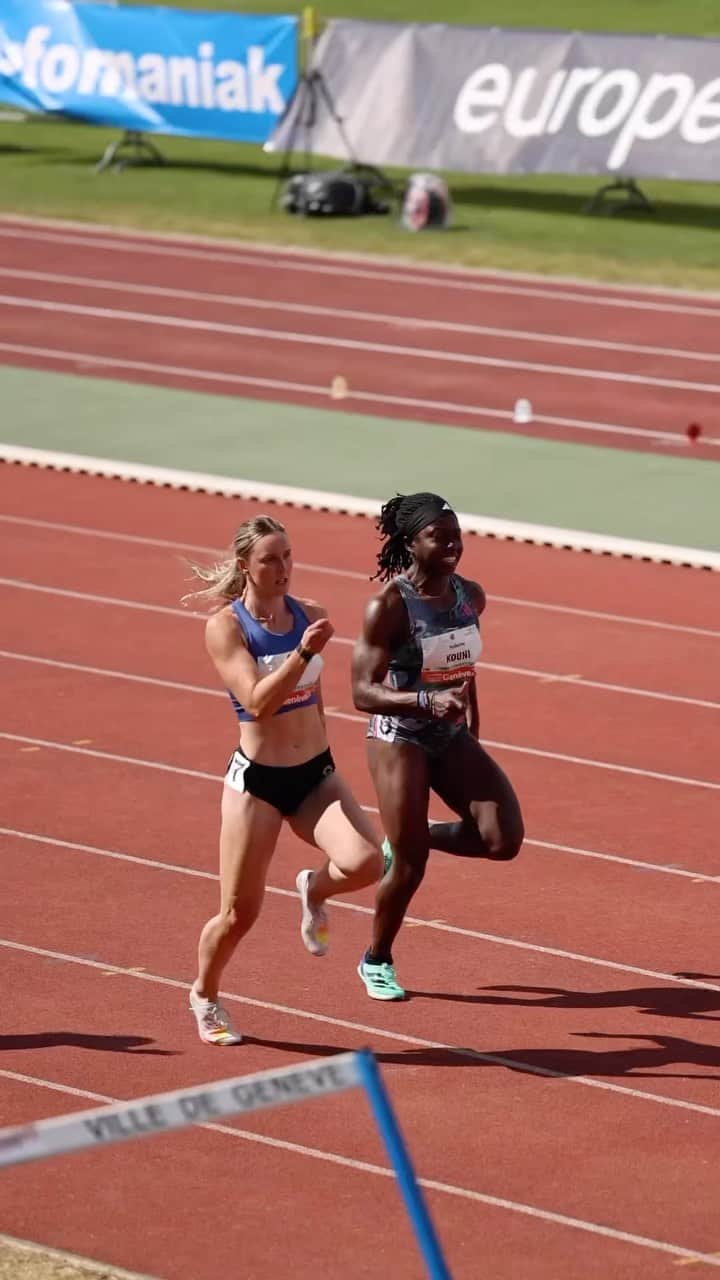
391	1134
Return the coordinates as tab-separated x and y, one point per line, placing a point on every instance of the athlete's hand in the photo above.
316	636
452	704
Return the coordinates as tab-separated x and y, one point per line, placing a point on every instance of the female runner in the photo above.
414	672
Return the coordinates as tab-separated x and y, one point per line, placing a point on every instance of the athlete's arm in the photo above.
384	629
479	600
315	611
473	711
478	596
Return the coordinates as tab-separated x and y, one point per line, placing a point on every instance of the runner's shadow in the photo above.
298	1046
641	1062
662	1002
76	1039
410	1058
456	997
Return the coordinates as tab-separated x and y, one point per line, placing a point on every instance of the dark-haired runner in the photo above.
414	672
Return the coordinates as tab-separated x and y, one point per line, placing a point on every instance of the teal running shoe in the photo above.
387	855
380	981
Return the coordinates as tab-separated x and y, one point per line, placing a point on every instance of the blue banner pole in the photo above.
391	1134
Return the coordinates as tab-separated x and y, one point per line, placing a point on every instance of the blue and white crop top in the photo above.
269	649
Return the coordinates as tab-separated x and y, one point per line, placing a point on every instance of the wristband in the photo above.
425	701
305	654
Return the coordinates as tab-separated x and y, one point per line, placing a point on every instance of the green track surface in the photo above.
635	495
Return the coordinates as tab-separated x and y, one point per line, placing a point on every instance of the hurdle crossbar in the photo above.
165	1112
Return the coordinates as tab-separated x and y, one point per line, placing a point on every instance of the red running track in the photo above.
556	1067
617	367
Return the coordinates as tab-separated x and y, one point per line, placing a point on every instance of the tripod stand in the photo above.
132	148
312	91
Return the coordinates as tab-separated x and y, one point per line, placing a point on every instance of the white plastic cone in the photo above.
522	413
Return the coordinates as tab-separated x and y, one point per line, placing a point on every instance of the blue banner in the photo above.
155	70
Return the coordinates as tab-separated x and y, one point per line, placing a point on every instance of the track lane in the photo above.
670	1051
480	1089
675	1063
606	651
78	361
471	337
529	575
561	312
202	1166
561	718
562	902
555	388
268	267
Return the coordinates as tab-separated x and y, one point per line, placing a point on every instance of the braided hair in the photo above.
398	524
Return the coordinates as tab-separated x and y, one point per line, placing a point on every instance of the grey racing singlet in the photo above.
441	650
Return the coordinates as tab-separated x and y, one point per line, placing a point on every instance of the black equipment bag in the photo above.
336	192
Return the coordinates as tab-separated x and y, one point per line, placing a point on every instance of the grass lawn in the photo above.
522	223
694	17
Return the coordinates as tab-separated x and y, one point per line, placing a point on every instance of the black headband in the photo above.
432	510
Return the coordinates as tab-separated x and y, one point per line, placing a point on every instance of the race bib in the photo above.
236	770
450	656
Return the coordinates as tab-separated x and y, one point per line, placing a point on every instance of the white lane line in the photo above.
697	877
364	1166
439	926
666	869
582	761
178	685
285	307
321	391
266	257
36	587
399	1037
602	764
502	668
548	677
582	682
598	616
176	869
352	575
394	350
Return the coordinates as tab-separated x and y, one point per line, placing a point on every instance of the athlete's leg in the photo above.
400	773
331	820
475	787
248	835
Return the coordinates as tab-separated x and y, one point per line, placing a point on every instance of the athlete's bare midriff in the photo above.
284	740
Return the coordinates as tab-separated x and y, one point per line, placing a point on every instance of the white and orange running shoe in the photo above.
213	1022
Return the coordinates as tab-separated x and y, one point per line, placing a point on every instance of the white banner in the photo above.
483	100
143	1117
